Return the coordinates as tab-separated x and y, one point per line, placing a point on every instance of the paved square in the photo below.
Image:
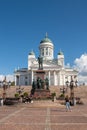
30	117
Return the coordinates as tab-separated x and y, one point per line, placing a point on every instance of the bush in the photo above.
25	94
53	94
62	95
17	95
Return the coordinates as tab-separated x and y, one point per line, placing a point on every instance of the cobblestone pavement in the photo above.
29	117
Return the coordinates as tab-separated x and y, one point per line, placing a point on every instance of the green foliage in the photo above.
25	94
17	95
62	95
53	94
13	83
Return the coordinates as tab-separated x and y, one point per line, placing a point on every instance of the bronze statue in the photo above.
40	61
38	83
47	83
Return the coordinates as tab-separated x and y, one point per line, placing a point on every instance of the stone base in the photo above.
41	94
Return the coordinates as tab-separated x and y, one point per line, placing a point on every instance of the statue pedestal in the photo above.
40	87
41	94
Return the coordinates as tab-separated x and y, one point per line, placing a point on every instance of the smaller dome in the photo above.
60	53
46	39
31	53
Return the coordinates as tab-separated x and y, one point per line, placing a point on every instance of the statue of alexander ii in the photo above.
40	61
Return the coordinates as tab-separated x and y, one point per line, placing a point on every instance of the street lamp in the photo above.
9	83
63	90
19	90
4	85
72	84
72	89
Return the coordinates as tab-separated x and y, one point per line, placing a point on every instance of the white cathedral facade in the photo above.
55	69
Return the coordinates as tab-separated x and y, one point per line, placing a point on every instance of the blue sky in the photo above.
23	24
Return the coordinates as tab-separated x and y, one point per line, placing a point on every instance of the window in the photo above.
26	83
26	77
42	52
46	50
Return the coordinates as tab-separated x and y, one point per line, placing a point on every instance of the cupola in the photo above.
46	48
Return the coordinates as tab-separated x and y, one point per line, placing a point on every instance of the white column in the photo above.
54	77
59	78
32	76
49	77
64	82
15	80
44	51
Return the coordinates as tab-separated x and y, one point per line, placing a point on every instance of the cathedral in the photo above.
54	68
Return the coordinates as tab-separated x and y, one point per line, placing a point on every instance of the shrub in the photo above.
17	95
25	94
62	95
53	94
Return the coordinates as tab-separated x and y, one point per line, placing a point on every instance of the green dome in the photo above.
60	53
31	53
46	39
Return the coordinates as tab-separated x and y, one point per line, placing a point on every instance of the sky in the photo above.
24	23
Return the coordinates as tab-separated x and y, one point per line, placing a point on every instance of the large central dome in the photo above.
46	39
46	48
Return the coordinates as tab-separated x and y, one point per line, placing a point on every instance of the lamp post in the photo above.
19	90
72	84
63	90
4	85
9	83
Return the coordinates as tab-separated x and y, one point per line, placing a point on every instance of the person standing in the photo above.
67	102
2	102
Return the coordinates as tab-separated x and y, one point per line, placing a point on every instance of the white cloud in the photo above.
81	65
67	65
8	78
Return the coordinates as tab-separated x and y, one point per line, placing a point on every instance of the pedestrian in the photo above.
67	102
2	102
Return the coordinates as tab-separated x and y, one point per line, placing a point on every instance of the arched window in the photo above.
46	50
